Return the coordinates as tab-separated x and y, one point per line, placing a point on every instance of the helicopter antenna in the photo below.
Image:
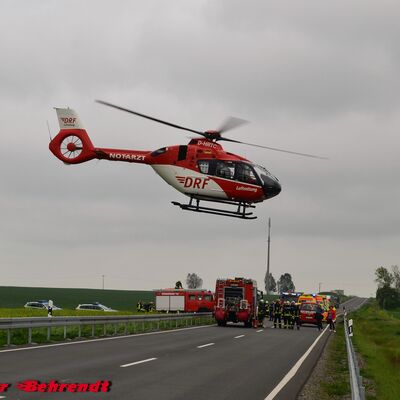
48	128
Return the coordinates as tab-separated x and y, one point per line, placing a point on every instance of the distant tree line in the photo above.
388	292
284	284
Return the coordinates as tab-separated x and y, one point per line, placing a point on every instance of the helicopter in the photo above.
201	169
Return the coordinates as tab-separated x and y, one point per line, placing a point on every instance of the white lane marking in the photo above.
260	330
294	369
138	362
205	345
238	337
103	339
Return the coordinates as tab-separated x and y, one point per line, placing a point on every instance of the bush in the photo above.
388	297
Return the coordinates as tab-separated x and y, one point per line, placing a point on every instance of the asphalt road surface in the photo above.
195	363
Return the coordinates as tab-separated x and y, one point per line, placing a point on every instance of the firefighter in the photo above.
296	315
261	312
267	307
292	312
271	311
139	306
286	313
277	310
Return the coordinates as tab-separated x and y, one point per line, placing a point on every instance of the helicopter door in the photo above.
182	153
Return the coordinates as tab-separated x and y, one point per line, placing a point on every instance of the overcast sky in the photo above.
312	76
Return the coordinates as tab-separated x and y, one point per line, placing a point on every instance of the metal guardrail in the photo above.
10	324
357	388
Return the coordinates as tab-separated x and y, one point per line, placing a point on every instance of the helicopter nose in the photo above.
271	187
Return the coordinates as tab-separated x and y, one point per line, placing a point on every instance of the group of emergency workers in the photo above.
286	314
280	312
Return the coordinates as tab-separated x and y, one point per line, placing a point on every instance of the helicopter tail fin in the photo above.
72	144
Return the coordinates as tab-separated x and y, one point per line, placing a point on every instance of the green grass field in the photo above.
125	300
377	340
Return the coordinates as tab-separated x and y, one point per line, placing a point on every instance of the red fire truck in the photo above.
236	301
184	300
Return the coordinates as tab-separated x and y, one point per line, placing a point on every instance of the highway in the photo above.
195	363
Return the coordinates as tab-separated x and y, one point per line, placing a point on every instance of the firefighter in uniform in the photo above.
267	307
277	310
286	312
295	309
271	311
261	312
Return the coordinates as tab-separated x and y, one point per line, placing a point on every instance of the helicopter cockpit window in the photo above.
225	169
245	173
264	174
159	151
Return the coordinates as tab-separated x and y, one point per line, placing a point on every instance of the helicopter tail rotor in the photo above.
72	144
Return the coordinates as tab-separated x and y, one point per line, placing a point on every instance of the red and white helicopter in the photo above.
201	169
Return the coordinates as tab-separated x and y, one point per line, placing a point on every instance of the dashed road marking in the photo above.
137	362
205	345
238	337
260	330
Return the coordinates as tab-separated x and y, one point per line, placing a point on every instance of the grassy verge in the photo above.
336	383
31	312
377	340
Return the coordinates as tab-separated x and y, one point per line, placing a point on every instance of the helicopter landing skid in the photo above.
239	213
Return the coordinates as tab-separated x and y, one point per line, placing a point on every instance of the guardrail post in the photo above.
79	331
115	329
8	337
104	330
126	327
93	330
48	333
65	332
29	335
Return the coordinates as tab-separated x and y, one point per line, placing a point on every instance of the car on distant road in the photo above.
94	307
40	304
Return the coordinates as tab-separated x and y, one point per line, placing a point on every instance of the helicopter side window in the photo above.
245	173
225	169
204	166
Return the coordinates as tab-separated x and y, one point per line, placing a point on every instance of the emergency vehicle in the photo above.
184	300
236	300
307	298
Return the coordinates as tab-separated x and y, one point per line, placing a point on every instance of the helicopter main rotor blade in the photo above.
273	148
231	123
151	118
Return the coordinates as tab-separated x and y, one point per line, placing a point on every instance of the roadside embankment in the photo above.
377	341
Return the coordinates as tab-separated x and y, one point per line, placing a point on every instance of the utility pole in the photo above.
319	286
103	280
269	244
